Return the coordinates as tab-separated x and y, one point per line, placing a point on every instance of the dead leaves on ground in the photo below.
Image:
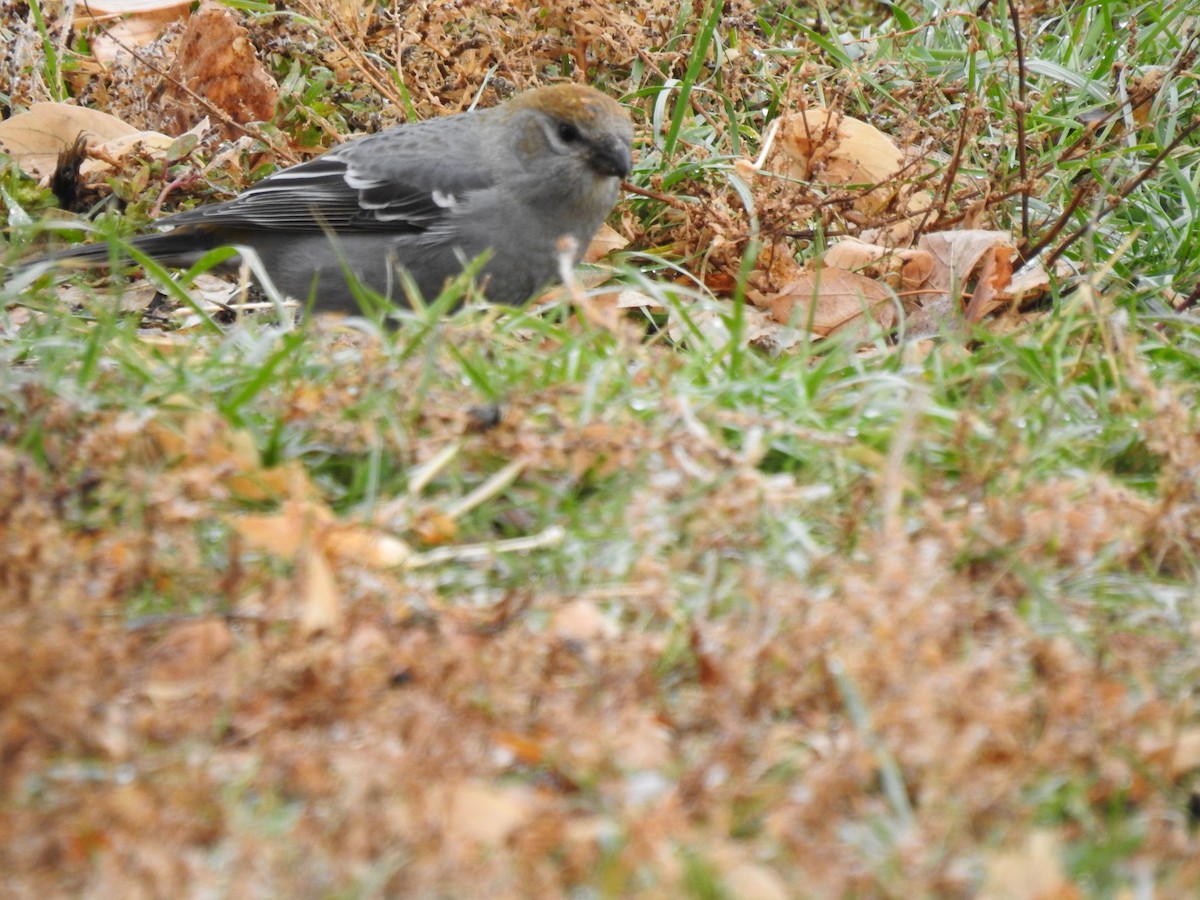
36	138
895	271
217	66
309	709
215	72
905	261
304	532
215	69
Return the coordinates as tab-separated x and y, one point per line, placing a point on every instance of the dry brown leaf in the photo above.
192	437
300	532
320	600
194	659
140	24
218	62
986	259
748	879
956	255
1142	92
96	10
828	301
132	298
190	650
526	749
759	330
480	813
304	524
366	546
289	479
35	138
1031	872
1186	757
945	265
583	621
433	527
858	256
628	298
1031	281
107	153
284	533
993	278
641	741
824	146
903	270
606	241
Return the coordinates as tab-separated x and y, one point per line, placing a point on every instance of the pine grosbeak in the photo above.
428	197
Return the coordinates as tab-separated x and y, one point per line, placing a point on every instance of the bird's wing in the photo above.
392	182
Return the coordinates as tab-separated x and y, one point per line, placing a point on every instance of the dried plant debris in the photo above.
591	602
217	66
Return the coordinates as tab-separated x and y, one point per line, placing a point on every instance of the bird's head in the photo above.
567	124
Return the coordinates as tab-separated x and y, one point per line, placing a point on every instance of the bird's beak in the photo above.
611	157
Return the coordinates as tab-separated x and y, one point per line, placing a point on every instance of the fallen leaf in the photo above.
366	546
583	621
904	270
320	600
1186	757
957	254
1033	870
96	10
35	138
190	650
141	22
753	880
824	146
606	241
284	533
481	813
828	301
217	62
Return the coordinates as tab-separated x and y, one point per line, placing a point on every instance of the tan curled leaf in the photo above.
749	879
583	621
288	479
607	240
320	601
1033	870
977	261
631	299
903	270
97	10
1142	92
826	147
299	532
992	282
35	138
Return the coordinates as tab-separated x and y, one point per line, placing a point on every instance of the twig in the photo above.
1115	201
1019	110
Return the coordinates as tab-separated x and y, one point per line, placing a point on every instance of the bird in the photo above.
506	183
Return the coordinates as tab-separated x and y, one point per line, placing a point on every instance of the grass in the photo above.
888	619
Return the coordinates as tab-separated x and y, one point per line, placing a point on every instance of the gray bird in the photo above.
428	197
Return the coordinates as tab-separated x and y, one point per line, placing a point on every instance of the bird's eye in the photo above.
567	132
